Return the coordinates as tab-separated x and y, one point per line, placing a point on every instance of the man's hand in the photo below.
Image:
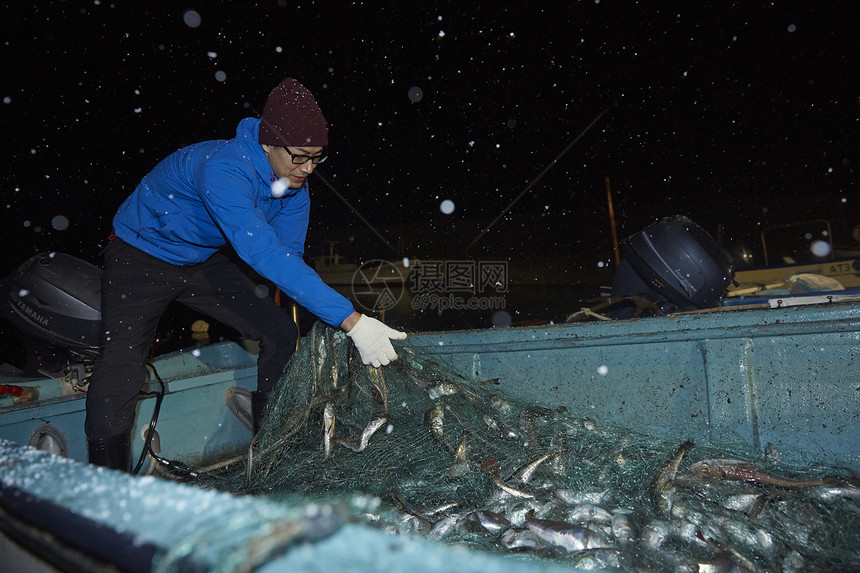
371	337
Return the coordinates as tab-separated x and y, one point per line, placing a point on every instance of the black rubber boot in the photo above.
258	408
113	453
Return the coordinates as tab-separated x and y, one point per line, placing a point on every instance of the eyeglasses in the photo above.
302	159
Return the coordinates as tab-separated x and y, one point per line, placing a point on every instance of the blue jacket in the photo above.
209	194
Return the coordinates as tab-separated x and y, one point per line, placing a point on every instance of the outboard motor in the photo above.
54	302
676	264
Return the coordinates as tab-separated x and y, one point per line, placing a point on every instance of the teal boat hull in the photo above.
783	379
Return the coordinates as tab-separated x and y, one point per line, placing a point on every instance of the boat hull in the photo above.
776	379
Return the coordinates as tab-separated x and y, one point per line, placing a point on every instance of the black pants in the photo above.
136	290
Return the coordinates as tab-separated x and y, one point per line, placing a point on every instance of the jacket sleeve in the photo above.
229	194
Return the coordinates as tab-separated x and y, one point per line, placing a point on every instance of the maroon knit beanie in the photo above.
292	118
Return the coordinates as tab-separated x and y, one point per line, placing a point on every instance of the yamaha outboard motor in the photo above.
674	263
54	302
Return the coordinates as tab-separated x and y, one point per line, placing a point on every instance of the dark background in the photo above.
739	115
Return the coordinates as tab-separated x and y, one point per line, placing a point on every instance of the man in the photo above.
251	192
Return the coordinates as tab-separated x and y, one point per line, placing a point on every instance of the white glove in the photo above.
371	337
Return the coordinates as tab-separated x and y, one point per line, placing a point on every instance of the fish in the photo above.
741	501
499	404
368	431
519	539
692	533
575	497
445	526
435	417
510	490
328	429
519	512
443	389
622	528
334	365
440	508
828	494
655	533
589	512
461	463
460	452
489	520
422	523
377	378
722	563
598	559
729	469
664	484
566	535
525	472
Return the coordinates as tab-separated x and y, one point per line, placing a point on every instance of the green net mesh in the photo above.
414	448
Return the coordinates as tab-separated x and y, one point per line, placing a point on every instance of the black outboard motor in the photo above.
54	302
674	263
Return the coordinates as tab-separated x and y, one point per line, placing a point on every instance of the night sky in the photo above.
740	116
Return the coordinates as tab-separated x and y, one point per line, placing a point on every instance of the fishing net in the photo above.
414	448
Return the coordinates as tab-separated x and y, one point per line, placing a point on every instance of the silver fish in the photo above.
599	559
510	490
589	512
461	463
444	526
488	520
500	405
573	497
436	418
721	564
378	379
368	431
655	533
520	539
663	487
622	528
440	509
525	473
741	501
443	389
518	513
407	523
566	535
334	364
460	452
419	520
830	494
328	429
693	534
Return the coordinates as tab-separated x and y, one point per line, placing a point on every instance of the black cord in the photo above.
147	445
173	467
